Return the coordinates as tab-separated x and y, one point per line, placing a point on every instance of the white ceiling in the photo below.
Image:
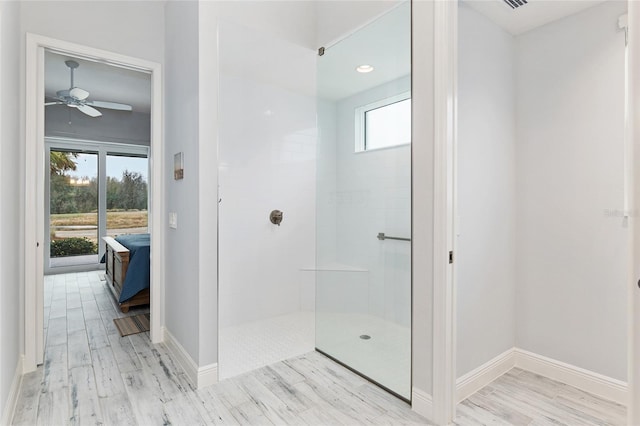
384	44
104	82
532	15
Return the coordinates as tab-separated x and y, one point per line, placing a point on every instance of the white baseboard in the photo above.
422	403
480	377
198	376
589	381
595	383
14	393
207	375
182	356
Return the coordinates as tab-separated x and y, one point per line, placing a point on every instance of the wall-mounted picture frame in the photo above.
178	166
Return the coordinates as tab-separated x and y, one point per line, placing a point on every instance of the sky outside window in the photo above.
87	166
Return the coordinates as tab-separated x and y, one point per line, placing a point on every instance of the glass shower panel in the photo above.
363	217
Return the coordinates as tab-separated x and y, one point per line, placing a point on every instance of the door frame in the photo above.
35	186
633	127
445	57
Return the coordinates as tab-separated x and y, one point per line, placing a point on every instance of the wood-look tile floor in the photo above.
524	398
91	375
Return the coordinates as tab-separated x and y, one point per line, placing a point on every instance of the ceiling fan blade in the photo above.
53	103
78	93
110	105
90	111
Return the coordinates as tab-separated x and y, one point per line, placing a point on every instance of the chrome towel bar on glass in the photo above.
382	237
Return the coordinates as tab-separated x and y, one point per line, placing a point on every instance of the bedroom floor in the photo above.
91	375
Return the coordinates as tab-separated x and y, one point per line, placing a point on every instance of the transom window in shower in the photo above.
384	124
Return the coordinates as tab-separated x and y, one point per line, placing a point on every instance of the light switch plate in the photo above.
173	220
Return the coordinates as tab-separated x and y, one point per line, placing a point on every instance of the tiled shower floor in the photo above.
385	358
245	347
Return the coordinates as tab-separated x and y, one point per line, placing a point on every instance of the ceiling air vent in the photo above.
514	4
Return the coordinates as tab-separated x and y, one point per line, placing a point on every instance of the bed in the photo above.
128	269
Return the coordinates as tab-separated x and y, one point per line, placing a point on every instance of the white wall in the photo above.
182	196
571	269
267	154
208	200
485	249
337	19
134	28
11	323
282	19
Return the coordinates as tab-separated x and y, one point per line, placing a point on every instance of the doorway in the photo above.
541	223
35	228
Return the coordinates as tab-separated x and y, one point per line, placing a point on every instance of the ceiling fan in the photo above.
76	97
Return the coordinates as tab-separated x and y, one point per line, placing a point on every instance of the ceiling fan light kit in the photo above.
76	97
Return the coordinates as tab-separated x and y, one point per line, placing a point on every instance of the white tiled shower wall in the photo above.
267	162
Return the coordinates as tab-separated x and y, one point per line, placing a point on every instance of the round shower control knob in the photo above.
275	217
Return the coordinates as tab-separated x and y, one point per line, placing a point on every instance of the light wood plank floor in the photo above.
91	375
524	398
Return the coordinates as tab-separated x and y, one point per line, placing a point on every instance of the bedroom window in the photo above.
384	124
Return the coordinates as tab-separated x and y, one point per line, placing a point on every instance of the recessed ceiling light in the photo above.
364	69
